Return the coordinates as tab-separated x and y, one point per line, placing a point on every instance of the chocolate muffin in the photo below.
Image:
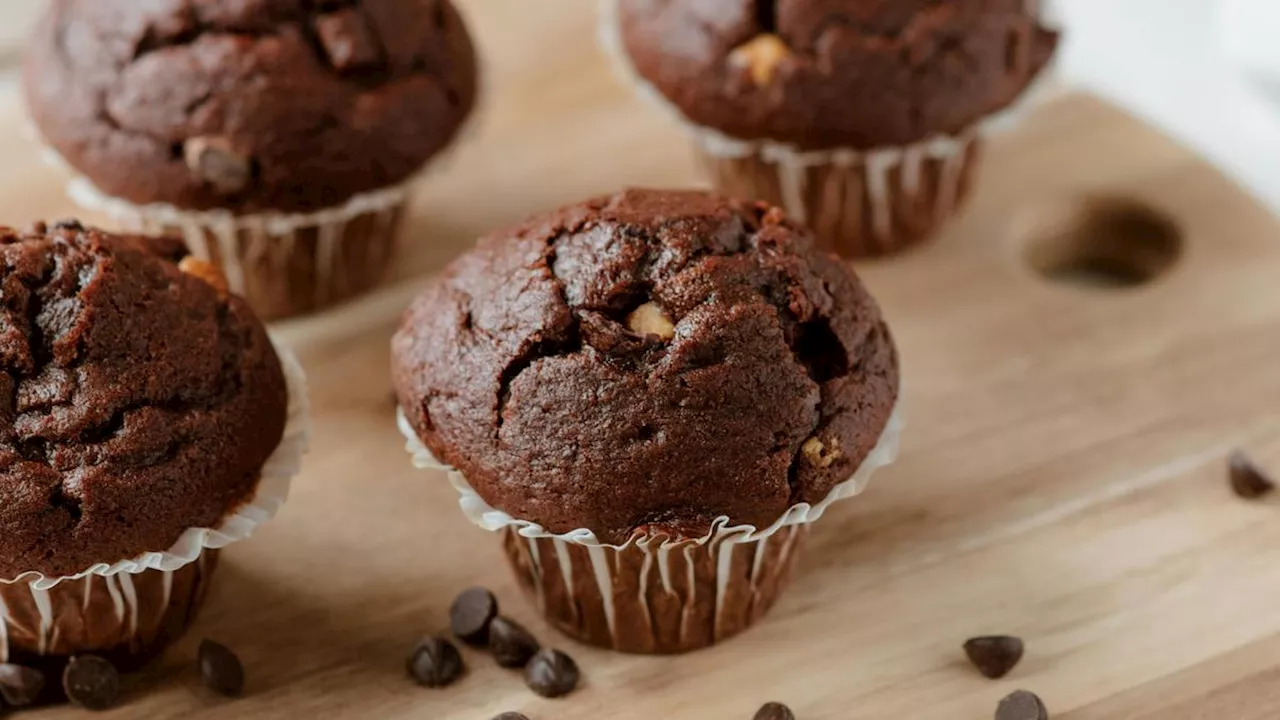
862	117
275	136
138	400
642	370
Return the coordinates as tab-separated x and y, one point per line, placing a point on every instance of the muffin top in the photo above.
136	400
648	361
249	105
835	73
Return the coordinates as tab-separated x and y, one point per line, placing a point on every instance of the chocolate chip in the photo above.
208	272
511	716
774	711
510	643
20	685
91	682
1021	705
551	674
347	40
69	224
1248	480
471	614
216	162
221	669
435	663
994	655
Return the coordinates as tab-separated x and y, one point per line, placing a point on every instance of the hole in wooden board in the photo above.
1102	243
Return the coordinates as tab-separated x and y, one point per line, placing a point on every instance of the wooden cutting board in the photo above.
1063	475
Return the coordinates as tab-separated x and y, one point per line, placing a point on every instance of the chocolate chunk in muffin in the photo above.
648	361
820	74
249	105
136	400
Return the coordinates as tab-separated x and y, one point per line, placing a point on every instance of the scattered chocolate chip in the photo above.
1021	705
1248	480
347	40
19	685
551	674
510	643
221	669
511	716
91	682
774	711
994	655
216	162
471	614
69	224
435	663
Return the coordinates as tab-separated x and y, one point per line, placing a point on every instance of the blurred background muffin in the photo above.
863	118
146	420
647	390
276	138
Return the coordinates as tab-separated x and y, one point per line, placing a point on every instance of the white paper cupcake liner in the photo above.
218	235
751	565
88	196
273	489
128	615
931	178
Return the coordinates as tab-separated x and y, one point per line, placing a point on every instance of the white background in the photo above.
1206	71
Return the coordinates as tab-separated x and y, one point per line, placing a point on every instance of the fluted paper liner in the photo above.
284	264
859	202
135	606
655	594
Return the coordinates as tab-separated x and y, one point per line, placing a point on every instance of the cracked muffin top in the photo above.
249	105
836	73
648	362
136	400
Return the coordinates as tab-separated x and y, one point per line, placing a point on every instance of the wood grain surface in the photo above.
1062	477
